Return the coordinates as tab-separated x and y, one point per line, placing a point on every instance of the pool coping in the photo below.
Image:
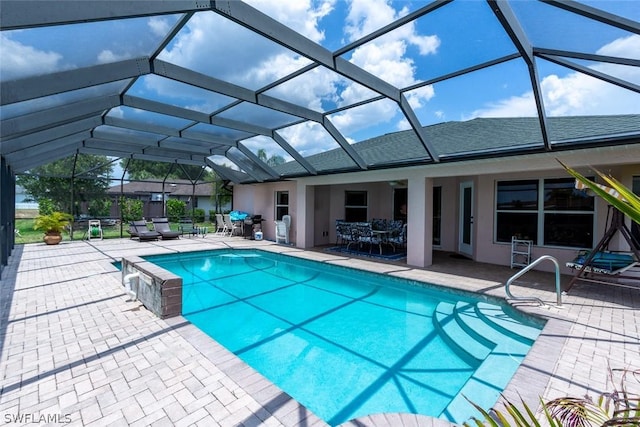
528	383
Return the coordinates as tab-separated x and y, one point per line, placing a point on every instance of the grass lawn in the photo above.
28	235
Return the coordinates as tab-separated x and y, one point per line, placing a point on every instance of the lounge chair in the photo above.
608	263
139	229
161	225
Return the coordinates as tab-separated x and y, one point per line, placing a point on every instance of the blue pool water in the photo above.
347	343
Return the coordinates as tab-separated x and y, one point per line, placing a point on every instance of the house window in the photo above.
550	212
355	206
282	204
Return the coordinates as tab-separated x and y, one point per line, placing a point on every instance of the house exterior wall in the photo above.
327	200
379	205
489	251
259	199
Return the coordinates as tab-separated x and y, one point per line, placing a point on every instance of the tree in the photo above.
221	195
77	178
273	160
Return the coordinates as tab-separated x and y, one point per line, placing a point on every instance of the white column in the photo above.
305	220
420	222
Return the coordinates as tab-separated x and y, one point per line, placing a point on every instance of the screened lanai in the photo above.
257	91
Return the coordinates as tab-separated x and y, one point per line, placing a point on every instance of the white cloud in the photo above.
577	93
107	56
366	16
515	106
417	97
255	65
311	89
19	60
385	57
625	47
308	138
159	26
300	15
216	46
116	112
285	64
425	44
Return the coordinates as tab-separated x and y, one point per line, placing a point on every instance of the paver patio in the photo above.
76	351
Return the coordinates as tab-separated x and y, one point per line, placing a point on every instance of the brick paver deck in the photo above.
75	351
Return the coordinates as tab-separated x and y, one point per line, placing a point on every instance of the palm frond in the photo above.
629	208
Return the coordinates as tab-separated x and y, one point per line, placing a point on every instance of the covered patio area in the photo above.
75	348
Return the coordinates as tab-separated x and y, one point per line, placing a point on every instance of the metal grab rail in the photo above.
529	267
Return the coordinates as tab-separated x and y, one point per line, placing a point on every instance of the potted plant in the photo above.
52	225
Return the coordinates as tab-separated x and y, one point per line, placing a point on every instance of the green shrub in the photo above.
45	207
130	209
100	207
175	209
198	215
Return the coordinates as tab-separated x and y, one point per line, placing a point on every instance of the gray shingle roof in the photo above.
474	137
181	188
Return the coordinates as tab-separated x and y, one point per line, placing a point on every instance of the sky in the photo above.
461	34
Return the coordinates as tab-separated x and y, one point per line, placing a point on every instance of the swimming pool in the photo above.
346	343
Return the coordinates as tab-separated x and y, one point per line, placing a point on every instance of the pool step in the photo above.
447	323
471	327
482	329
494	315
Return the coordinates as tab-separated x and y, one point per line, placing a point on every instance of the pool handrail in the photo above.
526	269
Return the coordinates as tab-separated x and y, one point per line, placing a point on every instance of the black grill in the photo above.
252	223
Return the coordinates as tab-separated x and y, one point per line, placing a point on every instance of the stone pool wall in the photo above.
159	290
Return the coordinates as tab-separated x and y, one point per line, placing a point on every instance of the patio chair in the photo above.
139	229
379	224
231	226
344	233
366	235
397	236
161	225
281	232
221	227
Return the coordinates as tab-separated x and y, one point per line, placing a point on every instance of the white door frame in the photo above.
466	219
